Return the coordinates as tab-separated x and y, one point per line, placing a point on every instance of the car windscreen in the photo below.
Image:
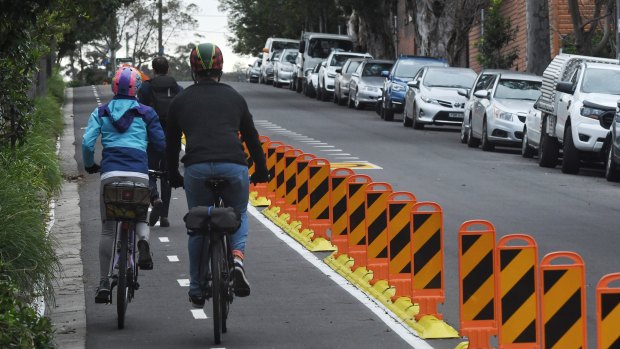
321	47
281	45
339	60
605	81
290	57
518	89
408	68
375	69
449	78
353	66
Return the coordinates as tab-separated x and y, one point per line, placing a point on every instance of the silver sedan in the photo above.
366	82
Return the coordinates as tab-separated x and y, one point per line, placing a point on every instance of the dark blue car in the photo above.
395	86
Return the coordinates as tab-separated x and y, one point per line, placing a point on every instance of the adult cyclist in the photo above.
125	127
212	115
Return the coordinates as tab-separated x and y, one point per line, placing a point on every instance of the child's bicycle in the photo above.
216	266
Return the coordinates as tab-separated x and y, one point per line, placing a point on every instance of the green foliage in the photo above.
252	22
497	34
56	87
30	177
20	326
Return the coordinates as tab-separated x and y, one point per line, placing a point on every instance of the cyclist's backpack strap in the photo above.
163	90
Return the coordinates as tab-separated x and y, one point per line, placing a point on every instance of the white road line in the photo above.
333	150
323	146
345	157
341	155
173	259
199	314
310	141
164	239
183	282
357	161
386	315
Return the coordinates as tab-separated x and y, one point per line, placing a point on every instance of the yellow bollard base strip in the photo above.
383	292
361	278
257	201
404	308
342	262
321	245
282	220
462	345
429	327
302	237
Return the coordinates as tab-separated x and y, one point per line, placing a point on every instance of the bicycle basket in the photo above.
126	200
221	219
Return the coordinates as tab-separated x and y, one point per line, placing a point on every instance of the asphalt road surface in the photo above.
296	305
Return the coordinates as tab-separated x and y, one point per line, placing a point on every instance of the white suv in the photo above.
327	73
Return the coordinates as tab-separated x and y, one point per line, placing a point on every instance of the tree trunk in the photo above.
538	42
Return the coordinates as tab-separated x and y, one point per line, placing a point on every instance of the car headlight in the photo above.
592	113
398	88
428	99
501	114
331	75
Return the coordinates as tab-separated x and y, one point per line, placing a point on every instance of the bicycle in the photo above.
127	203
216	266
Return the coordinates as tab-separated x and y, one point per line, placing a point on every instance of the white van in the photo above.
273	44
316	47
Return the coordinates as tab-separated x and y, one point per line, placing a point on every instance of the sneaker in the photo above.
102	295
155	211
145	262
197	301
241	283
163	222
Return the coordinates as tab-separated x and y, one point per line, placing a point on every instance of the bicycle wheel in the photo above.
122	290
216	288
227	285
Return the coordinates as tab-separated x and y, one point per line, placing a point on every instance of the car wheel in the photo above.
463	137
526	149
342	100
570	161
548	149
358	104
388	113
335	98
324	95
612	172
406	120
414	120
317	91
472	141
349	100
485	144
298	86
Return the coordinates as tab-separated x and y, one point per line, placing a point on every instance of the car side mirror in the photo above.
414	84
463	92
482	94
385	73
565	86
266	50
324	64
338	71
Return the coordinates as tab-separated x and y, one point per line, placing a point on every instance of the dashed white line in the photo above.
183	282
164	239
199	314
332	150
173	258
340	155
323	146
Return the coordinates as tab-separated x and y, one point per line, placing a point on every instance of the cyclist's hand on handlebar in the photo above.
258	177
93	169
176	180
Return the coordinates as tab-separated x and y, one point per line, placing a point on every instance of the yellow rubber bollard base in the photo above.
462	345
404	308
282	220
361	277
383	292
257	201
321	245
431	327
294	225
343	262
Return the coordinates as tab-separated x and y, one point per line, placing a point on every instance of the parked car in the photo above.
366	82
532	118
341	81
266	76
482	83
327	73
498	113
432	96
293	84
579	93
271	45
253	72
395	84
311	80
612	163
283	67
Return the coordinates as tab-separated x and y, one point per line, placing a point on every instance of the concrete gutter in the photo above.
69	313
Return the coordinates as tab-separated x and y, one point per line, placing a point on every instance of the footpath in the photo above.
69	313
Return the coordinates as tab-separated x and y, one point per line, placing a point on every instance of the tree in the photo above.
586	30
538	42
497	33
252	22
370	23
443	26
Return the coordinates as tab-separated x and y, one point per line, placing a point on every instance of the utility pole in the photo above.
127	44
618	29
159	24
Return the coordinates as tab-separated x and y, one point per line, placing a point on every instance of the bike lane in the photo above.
293	303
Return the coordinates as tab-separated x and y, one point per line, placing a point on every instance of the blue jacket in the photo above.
126	127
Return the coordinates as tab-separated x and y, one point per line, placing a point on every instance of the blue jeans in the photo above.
235	195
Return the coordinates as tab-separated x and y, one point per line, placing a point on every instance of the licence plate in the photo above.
455	115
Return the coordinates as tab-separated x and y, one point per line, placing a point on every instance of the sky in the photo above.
213	26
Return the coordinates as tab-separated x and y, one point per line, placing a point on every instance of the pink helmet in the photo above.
126	82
